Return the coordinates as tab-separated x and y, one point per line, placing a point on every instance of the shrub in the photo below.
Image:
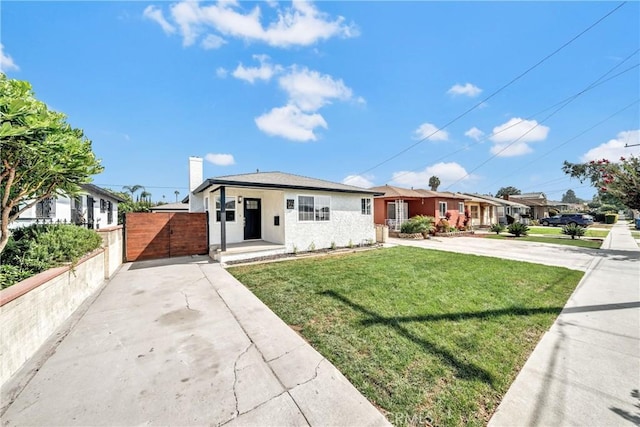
443	225
418	224
553	211
518	229
497	228
573	231
36	248
610	218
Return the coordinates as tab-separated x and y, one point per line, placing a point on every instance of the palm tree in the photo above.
434	183
177	193
133	189
145	196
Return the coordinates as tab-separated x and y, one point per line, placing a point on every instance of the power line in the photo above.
563	101
495	92
544	120
145	186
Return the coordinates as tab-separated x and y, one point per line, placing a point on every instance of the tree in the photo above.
133	189
507	191
570	197
42	155
177	193
620	180
434	183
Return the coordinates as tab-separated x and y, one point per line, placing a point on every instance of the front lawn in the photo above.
589	232
564	240
428	336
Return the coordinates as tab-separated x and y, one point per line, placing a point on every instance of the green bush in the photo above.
610	218
497	228
418	224
36	248
518	229
573	231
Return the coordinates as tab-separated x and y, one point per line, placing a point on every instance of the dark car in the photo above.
568	219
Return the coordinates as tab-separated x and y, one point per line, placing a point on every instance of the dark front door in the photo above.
89	212
252	219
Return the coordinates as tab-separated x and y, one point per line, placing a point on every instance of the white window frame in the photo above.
475	209
365	206
319	202
461	207
443	213
218	207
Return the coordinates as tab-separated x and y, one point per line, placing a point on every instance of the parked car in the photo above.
568	219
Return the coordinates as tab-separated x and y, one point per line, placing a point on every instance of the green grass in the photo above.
564	240
425	335
558	231
635	234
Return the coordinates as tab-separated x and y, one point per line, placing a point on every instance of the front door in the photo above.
89	212
252	219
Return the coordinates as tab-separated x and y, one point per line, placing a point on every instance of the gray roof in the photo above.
479	199
94	189
171	207
500	201
279	180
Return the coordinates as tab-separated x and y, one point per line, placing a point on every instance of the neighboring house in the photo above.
396	205
483	212
568	207
296	212
171	207
537	202
506	207
95	207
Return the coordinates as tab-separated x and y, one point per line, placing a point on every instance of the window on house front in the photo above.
109	212
46	208
103	206
443	209
474	212
365	205
461	207
230	209
312	208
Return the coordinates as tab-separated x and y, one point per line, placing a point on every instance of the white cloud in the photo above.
212	41
467	90
614	148
430	132
513	137
359	181
155	14
310	90
6	61
291	122
301	24
220	159
251	74
221	72
448	173
474	133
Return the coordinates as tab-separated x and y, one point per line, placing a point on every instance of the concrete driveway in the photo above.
181	342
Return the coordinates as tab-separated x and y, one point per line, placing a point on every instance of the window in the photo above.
103	206
230	209
461	207
474	212
312	208
109	212
443	209
365	206
46	208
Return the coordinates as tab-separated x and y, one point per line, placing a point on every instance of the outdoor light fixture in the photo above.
239	199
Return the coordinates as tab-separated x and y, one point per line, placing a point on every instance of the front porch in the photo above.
247	250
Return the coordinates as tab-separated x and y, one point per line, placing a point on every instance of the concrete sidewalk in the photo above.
181	342
586	369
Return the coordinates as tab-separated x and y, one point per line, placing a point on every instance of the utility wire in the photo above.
497	91
486	137
573	98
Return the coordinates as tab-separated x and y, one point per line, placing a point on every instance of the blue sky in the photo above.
351	92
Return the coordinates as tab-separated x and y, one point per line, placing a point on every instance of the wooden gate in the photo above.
165	234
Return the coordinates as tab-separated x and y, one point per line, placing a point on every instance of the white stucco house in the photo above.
94	208
290	212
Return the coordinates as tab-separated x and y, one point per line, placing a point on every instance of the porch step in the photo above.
234	256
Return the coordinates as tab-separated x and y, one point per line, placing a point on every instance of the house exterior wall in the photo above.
429	206
347	224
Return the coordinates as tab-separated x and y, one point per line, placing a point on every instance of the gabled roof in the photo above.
529	201
399	192
94	189
171	207
479	200
538	195
500	201
279	180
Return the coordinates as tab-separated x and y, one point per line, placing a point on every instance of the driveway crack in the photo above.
235	378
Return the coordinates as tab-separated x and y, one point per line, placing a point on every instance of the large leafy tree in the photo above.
619	180
42	155
507	191
570	197
434	183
